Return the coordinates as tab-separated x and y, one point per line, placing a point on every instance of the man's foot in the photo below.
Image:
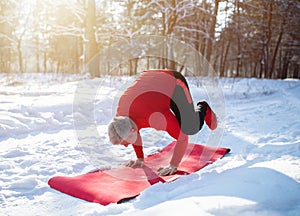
210	117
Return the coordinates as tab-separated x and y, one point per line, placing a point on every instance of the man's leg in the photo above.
182	106
208	115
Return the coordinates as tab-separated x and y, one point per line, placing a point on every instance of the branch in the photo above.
8	38
192	30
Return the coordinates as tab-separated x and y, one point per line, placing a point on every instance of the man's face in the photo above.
130	138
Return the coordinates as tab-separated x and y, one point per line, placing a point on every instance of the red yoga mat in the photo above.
115	185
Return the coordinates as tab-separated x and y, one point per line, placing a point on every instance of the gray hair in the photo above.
119	128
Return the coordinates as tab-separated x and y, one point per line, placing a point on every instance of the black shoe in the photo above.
209	117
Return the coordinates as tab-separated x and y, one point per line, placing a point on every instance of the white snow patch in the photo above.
261	175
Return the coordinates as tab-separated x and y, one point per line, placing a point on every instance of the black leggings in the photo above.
190	121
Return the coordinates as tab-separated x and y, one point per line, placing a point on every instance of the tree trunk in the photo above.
91	44
212	31
239	51
276	48
268	43
37	55
20	57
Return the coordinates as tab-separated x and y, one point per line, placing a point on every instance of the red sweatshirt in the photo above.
147	103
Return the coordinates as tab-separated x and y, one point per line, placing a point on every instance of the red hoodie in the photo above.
147	103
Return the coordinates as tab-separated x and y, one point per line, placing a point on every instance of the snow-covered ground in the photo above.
260	176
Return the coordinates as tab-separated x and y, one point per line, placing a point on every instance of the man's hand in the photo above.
136	163
169	170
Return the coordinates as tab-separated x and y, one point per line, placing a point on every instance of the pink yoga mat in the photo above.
115	185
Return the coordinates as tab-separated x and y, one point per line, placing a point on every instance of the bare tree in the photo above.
259	38
6	36
212	30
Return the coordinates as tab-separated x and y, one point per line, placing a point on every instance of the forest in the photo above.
239	38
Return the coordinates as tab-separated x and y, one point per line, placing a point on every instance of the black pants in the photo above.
190	120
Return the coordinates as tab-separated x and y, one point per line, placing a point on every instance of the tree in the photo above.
21	30
257	38
212	30
258	32
91	48
6	36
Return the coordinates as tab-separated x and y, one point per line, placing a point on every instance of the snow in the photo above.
39	140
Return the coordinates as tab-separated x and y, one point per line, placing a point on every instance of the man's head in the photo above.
122	130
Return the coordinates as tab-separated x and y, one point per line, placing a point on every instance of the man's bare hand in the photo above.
136	163
165	171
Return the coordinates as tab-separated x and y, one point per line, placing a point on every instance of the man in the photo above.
159	99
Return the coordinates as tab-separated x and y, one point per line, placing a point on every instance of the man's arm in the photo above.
138	148
179	149
173	128
178	154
